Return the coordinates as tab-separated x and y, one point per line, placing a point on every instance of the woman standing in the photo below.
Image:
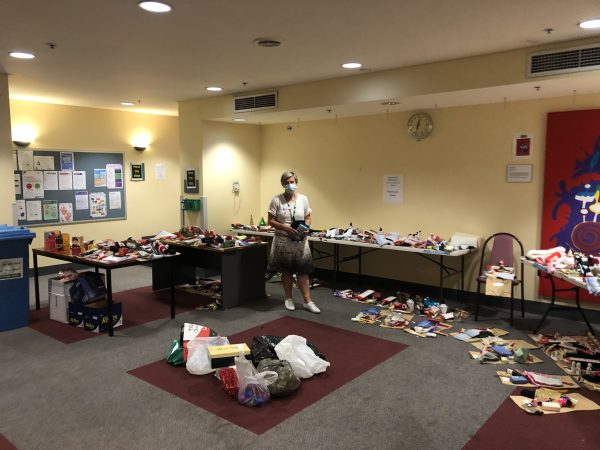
290	253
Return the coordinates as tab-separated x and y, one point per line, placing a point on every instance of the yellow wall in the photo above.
152	205
7	191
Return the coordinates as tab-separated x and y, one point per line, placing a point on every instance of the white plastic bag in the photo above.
300	356
253	387
198	362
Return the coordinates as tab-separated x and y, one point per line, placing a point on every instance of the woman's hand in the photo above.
293	233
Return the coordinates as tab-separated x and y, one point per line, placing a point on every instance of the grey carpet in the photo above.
430	395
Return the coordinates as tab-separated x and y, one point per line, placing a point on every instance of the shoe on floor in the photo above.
310	306
289	305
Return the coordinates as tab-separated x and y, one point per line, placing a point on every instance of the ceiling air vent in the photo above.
255	102
569	60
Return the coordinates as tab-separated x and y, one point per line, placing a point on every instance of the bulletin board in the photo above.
65	186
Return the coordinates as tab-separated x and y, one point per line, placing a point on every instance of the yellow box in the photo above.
227	351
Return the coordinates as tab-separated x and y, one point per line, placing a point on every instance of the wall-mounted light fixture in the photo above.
23	135
139	148
140	141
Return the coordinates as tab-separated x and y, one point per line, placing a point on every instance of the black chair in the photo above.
502	247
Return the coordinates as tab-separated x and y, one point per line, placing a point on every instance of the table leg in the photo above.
582	313
441	278
110	301
172	290
36	282
553	298
336	264
360	264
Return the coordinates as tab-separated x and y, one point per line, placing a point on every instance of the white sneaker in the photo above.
312	307
289	305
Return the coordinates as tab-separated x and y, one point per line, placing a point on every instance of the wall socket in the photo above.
235	186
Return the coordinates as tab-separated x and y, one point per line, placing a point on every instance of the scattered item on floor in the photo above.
190	331
368	316
391	319
506	377
287	381
429	328
490	356
578	403
175	353
578	356
345	293
474	334
253	387
263	347
222	355
198	361
228	378
301	357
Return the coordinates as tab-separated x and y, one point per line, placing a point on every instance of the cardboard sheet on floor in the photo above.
567	381
583	404
531	360
514	343
407	317
496	331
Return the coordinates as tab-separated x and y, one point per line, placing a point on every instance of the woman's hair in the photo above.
285	175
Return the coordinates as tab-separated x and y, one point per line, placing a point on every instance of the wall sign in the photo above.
518	173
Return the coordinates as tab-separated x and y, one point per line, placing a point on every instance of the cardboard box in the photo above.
75	317
59	307
222	355
60	287
88	288
95	316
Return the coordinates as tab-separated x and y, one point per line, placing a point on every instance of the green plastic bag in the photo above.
175	354
521	355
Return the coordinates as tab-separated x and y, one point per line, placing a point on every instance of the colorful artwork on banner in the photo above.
571	208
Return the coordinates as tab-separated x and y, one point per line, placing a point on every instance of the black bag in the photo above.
263	347
287	381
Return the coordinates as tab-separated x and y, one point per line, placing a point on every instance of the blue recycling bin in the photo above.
14	277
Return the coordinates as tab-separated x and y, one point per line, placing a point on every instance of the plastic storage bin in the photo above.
14	277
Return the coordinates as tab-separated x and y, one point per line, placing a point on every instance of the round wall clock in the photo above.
420	125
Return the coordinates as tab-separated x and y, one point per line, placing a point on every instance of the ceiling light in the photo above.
214	89
352	65
239	119
127	103
22	55
390	103
155	7
264	42
590	24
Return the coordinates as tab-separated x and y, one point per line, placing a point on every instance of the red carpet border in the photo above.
5	444
350	354
140	305
510	427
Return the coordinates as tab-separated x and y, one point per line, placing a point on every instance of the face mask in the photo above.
290	188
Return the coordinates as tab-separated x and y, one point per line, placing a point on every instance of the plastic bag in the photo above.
253	386
198	362
302	358
175	354
287	381
263	347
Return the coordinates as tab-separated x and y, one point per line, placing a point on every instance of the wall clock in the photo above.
420	125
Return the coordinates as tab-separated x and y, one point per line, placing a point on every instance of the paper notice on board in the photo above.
15	161
50	209
21	212
25	159
67	161
51	180
81	200
65	180
33	184
99	177
66	212
97	205
34	209
114	200
43	162
114	176
79	180
393	189
17	184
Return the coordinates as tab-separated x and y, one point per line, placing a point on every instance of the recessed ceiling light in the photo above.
127	103
590	24
352	65
22	55
390	103
155	7
239	119
214	89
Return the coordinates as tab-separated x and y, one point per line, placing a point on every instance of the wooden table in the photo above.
242	270
577	283
108	267
364	248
